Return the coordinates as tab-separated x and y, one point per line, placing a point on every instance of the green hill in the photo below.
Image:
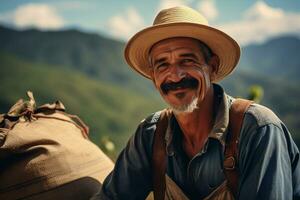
278	57
98	57
110	111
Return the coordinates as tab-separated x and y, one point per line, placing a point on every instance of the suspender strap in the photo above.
159	156
236	117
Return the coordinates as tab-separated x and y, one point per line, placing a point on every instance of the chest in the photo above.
200	175
193	148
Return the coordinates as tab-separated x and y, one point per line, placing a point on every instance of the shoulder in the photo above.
261	115
141	142
257	115
149	123
261	126
146	128
153	118
262	129
260	121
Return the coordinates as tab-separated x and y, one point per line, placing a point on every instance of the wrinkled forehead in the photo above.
171	42
179	44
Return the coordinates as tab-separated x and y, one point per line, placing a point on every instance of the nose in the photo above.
176	73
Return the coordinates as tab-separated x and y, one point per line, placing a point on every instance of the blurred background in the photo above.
72	51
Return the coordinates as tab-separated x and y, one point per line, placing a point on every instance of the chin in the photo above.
185	108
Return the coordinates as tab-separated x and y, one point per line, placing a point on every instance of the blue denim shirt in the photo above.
268	158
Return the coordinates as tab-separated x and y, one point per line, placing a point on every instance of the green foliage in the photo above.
256	93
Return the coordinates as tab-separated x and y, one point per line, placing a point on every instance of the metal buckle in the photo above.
229	163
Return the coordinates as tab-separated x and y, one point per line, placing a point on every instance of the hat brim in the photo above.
221	44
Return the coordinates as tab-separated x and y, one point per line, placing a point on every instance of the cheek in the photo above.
201	74
204	73
204	82
158	79
157	83
154	78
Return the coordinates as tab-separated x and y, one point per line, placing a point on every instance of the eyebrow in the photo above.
188	55
161	60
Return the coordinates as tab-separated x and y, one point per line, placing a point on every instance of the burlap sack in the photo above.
45	154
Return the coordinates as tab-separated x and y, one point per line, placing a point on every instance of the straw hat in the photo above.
181	21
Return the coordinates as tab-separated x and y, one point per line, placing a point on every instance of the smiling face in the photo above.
180	72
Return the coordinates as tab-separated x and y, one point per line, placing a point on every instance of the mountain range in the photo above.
88	74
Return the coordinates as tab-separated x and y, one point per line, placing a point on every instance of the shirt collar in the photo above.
219	130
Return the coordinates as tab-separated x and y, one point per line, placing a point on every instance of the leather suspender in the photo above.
159	157
236	117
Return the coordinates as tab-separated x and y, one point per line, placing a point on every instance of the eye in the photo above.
187	61
161	66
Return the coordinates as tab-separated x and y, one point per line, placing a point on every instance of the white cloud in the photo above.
261	10
126	24
41	16
71	5
261	22
163	4
208	9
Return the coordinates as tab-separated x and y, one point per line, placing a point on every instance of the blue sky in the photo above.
247	21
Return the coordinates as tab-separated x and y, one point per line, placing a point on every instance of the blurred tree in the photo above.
107	145
256	93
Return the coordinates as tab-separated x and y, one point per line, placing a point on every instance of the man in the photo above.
185	58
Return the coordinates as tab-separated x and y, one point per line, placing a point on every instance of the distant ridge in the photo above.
96	56
276	57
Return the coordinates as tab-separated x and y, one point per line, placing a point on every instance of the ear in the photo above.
214	63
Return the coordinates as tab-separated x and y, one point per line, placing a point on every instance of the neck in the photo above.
197	125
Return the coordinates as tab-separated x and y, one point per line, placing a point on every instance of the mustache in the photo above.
187	82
